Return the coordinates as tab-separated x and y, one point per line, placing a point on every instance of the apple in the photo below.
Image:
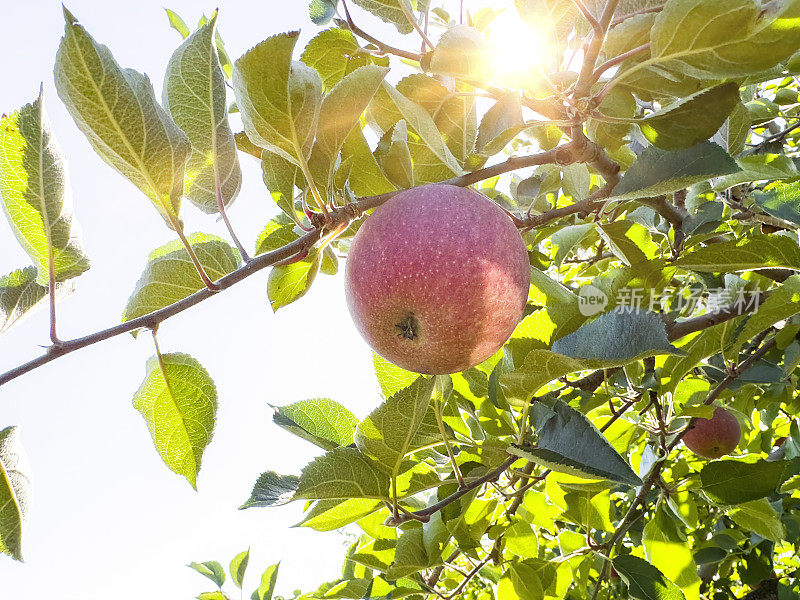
437	279
714	437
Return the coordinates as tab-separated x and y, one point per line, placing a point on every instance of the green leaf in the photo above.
781	200
272	489
390	11
267	585
391	378
664	547
692	119
708	40
347	589
117	110
733	133
756	252
287	283
644	581
327	515
394	156
463	52
177	23
764	167
521	540
656	172
239	566
738	481
323	422
424	126
570	443
215	595
20	296
782	303
170	274
539	368
211	569
322	11
35	195
343	473
279	99
194	94
281	177
617	338
178	401
501	123
387	434
760	518
366	177
335	53
278	232
342	108
15	492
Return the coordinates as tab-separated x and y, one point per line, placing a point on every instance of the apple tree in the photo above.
647	154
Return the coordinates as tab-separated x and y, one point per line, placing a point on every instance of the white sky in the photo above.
109	520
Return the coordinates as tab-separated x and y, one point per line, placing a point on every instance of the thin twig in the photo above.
598	30
425	513
613	62
584	83
382	47
413	22
643	11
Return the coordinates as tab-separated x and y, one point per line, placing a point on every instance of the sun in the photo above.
520	50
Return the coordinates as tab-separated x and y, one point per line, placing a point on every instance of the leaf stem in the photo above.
51	274
438	400
178	226
224	214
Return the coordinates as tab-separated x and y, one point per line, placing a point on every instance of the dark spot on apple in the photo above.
408	328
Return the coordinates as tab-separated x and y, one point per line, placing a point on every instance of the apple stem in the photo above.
439	395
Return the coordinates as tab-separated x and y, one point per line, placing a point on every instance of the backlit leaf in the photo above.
756	252
35	194
117	110
194	94
15	492
170	274
279	99
343	473
287	283
388	432
178	401
20	296
321	421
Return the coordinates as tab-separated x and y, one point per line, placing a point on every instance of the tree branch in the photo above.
336	218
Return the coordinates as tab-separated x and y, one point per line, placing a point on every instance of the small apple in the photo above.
437	279
714	437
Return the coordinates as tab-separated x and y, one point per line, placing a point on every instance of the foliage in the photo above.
651	162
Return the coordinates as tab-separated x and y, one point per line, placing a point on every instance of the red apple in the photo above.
437	279
714	437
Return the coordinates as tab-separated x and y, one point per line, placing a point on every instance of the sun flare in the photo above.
519	50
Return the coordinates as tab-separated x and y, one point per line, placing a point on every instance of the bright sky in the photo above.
109	520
